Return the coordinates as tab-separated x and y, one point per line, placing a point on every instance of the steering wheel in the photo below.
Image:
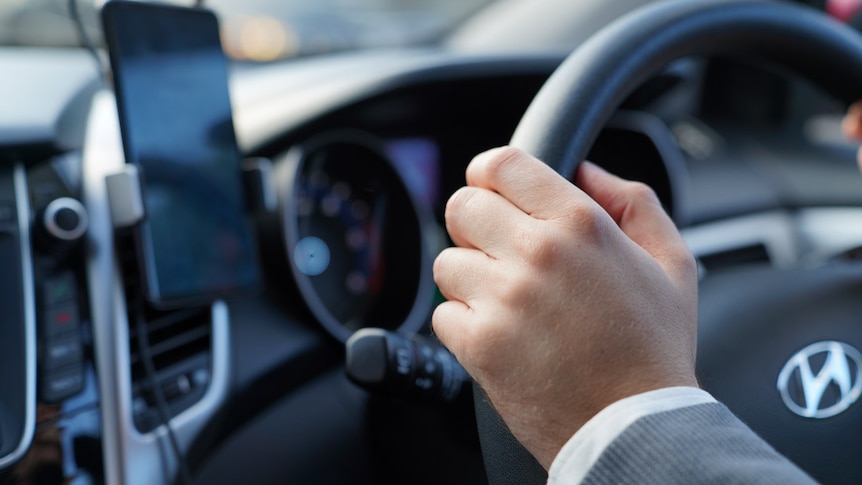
564	120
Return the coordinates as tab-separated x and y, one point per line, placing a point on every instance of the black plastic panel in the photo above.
752	322
13	363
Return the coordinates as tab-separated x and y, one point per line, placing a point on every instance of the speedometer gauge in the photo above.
353	236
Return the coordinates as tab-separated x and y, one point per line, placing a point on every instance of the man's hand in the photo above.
563	300
852	126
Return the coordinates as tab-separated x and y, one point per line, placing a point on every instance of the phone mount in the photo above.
125	191
126	198
257	179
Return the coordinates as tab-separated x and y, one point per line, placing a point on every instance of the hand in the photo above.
852	126
563	300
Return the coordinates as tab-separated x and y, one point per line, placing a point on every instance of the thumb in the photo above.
637	211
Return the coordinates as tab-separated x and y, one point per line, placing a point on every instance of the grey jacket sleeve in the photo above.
705	443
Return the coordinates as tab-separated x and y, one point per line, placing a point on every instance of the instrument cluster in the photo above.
356	230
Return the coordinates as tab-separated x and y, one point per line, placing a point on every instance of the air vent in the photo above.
753	254
180	344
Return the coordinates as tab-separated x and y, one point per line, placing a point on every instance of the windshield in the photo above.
262	30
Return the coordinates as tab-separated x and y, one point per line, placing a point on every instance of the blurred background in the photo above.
263	30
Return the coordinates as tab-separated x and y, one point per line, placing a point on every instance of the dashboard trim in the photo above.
99	156
268	105
131	457
827	232
803	238
22	203
774	230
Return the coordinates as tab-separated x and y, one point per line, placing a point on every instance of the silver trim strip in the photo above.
827	232
775	230
23	203
100	156
130	457
806	237
189	423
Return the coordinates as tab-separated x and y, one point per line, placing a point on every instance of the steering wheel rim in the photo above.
568	113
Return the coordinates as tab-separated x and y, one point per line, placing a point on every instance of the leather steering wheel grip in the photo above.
568	113
506	461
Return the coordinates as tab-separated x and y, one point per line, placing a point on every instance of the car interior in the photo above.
259	311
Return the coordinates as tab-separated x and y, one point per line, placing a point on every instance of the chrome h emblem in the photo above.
841	368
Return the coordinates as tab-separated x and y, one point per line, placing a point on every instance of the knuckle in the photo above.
504	157
533	245
519	290
585	218
499	164
515	293
686	260
459	201
546	253
640	192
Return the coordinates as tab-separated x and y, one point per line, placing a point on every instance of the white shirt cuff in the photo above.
581	452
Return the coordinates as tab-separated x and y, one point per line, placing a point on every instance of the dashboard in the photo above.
350	161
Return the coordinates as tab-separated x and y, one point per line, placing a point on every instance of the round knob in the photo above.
64	220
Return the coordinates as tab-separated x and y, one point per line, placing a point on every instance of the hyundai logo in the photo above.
808	394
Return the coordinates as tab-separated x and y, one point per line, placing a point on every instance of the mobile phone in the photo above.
170	78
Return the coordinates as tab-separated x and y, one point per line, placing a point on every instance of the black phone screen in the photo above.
170	77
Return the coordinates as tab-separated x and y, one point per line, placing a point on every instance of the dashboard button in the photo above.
62	383
60	320
62	351
59	289
67	219
64	219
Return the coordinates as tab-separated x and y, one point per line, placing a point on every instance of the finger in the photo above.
451	323
481	219
852	127
638	212
461	274
852	124
531	185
